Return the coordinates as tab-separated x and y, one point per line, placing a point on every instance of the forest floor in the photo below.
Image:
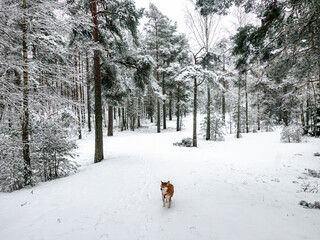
238	189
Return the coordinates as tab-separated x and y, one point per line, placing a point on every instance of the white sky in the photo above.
173	9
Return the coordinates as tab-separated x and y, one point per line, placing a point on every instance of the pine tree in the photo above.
25	120
35	77
159	41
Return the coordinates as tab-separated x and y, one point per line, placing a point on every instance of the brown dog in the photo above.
167	192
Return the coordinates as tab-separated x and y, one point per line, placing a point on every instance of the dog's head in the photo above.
164	185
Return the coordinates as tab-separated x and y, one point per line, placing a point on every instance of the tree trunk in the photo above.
170	106
158	116
25	119
308	110
110	120
303	124
139	112
259	114
104	117
224	90
178	108
315	120
151	110
88	94
77	95
208	130
238	114
194	137
208	114
123	122
223	104
164	104
247	107
258	97
158	79
83	109
98	156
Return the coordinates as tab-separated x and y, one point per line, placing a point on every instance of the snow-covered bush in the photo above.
313	173
267	125
317	154
315	205
52	148
292	133
11	161
216	125
185	142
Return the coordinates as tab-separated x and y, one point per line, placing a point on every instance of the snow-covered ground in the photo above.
239	189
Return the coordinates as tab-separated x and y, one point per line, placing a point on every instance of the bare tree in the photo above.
204	31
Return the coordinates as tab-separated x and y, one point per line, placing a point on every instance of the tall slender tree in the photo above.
159	40
98	155
25	119
205	33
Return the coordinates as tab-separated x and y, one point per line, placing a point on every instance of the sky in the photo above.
173	9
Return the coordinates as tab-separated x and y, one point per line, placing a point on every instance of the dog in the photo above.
167	191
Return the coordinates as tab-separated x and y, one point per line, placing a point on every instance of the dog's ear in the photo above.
168	182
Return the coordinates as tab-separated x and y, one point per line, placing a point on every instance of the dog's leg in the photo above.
163	200
169	202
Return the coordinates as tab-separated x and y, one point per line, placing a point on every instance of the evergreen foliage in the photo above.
263	76
292	133
216	126
52	149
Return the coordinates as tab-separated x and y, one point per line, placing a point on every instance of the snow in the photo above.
241	189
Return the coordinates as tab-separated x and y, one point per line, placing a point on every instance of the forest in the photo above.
80	65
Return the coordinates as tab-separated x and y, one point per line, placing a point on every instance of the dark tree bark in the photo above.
164	104
110	120
315	107
88	94
98	156
139	111
247	107
195	106
83	109
208	84
77	96
224	103
170	106
208	115
302	113
158	79
259	111
123	122
178	107
25	119
239	103
223	92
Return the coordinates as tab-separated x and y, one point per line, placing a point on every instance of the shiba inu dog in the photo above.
167	192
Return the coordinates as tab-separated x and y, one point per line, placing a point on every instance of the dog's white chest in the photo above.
164	190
